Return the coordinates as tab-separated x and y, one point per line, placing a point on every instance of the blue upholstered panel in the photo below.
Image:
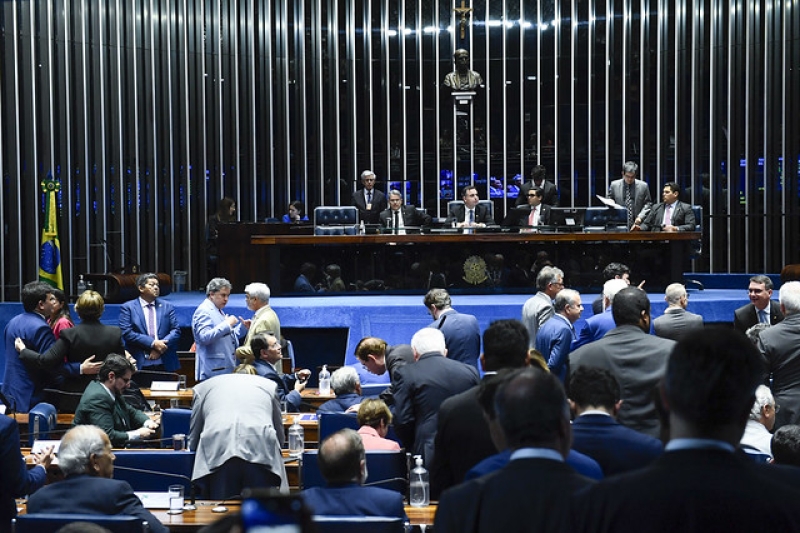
50	523
382	465
42	419
174	422
335	216
169	468
358	524
602	216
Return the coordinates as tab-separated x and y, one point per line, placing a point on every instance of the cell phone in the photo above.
270	511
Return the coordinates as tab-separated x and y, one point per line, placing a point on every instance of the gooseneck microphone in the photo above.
191	505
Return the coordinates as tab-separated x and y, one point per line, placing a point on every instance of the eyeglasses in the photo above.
532	195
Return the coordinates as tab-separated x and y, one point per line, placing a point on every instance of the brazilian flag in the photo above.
50	254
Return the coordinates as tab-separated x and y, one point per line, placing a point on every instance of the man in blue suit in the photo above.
462	336
555	337
267	351
595	327
23	386
216	334
150	327
343	464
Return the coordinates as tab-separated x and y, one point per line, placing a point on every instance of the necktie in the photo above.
151	320
762	317
397	219
471	217
629	204
668	215
532	217
369	197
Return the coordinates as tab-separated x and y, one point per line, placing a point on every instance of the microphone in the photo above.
191	506
386	481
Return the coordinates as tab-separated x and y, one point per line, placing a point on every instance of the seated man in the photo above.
347	387
757	438
102	404
87	462
268	353
400	216
343	464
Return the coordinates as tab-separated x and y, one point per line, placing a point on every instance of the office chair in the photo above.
388	470
358	524
173	422
42	419
50	523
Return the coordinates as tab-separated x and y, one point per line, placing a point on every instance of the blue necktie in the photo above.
762	316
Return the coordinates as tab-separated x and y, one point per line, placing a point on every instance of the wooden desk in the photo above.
62	419
313	397
310	428
184	396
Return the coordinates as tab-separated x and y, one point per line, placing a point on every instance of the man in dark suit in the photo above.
399	216
670	215
599	324
102	405
85	458
369	201
780	349
538	181
636	358
676	320
462	335
377	357
343	464
150	327
536	214
700	483
24	386
595	399
761	307
347	388
470	214
268	352
421	387
632	194
531	493
612	270
461	420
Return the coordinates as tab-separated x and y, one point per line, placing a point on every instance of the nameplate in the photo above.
153	500
164	385
41	445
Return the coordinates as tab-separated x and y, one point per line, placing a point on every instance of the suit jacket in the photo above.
216	341
133	324
535	312
745	317
462	336
22	385
549	193
482	214
236	415
675	323
554	341
525	495
638	361
284	385
265	320
520	217
617	448
641	196
17	480
411	217
354	500
691	491
395	357
379	203
114	416
595	328
74	346
420	389
83	494
340	404
682	217
582	464
780	349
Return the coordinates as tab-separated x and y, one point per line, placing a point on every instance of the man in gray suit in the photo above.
539	308
676	320
631	193
636	358
780	349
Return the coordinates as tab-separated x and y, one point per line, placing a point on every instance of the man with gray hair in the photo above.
598	325
265	320
676	320
216	334
462	335
422	386
399	216
780	349
347	387
87	462
631	193
757	438
555	337
369	201
539	308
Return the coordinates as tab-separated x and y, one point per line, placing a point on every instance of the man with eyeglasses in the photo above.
537	214
150	327
761	308
369	201
102	405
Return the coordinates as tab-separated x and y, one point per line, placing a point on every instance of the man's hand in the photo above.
89	367
153	423
145	432
636	227
670	229
246	322
303	374
160	346
19	344
232	320
44	457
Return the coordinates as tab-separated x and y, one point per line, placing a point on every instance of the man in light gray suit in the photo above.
539	308
629	187
236	432
216	334
676	320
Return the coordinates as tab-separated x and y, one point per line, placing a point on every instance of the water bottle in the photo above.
81	285
296	439
324	381
362	230
419	495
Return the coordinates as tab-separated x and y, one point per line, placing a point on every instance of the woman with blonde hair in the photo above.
374	418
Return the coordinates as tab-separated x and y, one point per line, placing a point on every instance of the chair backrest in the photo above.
330	423
358	524
50	523
335	220
387	469
145	378
174	422
64	401
166	467
487	203
42	419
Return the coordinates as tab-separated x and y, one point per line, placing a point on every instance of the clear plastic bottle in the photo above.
296	439
81	285
419	494
362	230
324	381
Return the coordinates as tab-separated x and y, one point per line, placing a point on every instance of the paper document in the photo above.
609	202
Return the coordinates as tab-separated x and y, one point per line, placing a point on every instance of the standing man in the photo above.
470	214
670	215
150	327
462	335
399	216
613	271
216	334
539	308
601	323
23	386
632	194
554	339
265	319
538	181
761	308
377	357
676	320
369	201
